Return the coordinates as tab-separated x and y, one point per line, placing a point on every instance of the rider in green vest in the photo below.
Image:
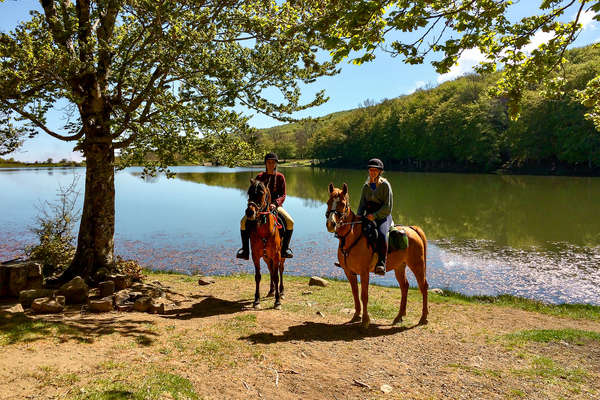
376	202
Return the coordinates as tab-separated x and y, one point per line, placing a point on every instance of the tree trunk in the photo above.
95	244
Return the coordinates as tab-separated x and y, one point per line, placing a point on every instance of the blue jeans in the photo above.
383	226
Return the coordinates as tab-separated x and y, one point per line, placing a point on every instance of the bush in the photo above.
55	231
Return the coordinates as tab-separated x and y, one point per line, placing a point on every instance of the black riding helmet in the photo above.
375	163
271	156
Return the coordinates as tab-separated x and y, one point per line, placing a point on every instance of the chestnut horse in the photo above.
265	241
356	256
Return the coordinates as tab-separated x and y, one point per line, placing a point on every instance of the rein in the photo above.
346	252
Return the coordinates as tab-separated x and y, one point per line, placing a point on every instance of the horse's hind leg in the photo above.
403	283
257	280
423	287
271	289
354	285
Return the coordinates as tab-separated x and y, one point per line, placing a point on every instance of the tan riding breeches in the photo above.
289	222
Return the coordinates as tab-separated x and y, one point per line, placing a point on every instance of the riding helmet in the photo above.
271	156
375	163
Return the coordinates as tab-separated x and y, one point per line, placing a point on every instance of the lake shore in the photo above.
215	346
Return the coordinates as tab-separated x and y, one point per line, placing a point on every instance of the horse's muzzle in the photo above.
250	214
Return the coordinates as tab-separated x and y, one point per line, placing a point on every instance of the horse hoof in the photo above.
365	323
277	306
354	319
281	296
256	305
423	321
397	320
270	294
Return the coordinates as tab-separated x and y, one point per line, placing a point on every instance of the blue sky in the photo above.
386	77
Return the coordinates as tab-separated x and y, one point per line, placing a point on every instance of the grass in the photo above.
571	336
155	385
550	371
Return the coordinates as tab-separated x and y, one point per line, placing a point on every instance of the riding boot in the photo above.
286	252
244	252
382	248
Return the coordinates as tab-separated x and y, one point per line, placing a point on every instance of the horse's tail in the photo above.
424	240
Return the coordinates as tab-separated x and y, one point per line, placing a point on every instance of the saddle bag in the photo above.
398	240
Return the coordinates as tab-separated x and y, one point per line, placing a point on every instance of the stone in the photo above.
386	388
16	309
121	281
16	276
316	281
135	295
26	297
107	288
205	280
142	304
157	307
437	291
47	305
75	291
94	293
104	304
121	297
125	307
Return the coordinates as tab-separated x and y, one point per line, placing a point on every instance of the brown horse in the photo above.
357	258
265	241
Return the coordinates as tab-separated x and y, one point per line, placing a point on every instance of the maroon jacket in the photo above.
276	185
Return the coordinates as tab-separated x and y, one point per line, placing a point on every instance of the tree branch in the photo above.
40	125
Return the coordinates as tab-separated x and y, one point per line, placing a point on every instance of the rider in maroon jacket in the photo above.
275	181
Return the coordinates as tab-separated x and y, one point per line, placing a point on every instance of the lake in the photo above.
529	236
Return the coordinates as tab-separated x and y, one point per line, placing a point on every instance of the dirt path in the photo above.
214	347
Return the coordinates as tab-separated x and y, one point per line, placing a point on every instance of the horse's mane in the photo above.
256	188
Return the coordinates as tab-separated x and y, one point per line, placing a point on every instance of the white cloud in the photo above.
418	85
468	59
587	21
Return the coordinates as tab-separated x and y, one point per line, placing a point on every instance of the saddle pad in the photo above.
398	240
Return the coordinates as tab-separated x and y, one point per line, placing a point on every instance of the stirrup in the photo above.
287	253
379	269
243	254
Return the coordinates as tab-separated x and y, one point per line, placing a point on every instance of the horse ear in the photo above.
251	181
330	187
344	189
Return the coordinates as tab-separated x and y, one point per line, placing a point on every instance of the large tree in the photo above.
154	80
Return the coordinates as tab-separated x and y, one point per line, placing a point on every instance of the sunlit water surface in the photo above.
536	237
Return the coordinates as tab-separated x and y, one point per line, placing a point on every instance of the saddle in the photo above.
397	239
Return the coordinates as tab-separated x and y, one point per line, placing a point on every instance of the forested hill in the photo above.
457	126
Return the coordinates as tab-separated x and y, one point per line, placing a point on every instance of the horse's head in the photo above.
258	199
337	206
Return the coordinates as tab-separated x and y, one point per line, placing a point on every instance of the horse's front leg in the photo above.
354	285
274	269
256	260
364	296
281	278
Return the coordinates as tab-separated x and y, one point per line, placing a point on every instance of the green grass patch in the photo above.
548	369
23	329
154	386
573	336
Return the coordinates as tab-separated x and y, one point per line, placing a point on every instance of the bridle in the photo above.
339	223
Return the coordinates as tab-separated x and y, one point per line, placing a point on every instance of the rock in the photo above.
125	307
386	388
437	291
16	309
107	288
157	307
316	281
142	304
26	297
320	314
121	297
16	276
101	274
48	305
104	304
75	291
307	292
205	280
121	281
94	293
